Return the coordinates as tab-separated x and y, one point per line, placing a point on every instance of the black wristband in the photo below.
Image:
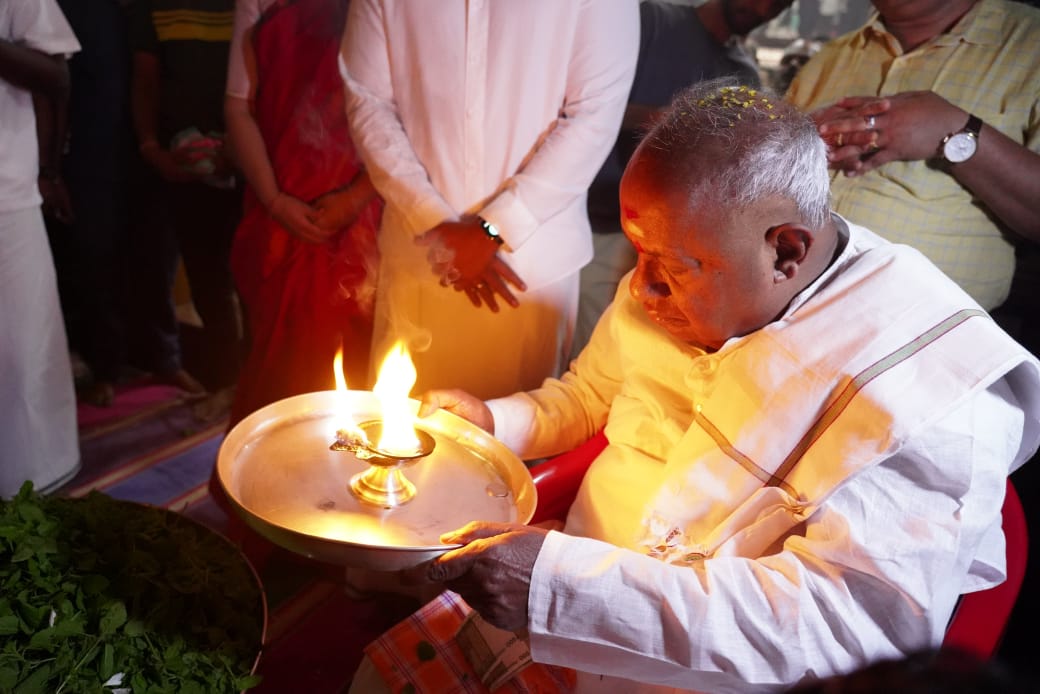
491	230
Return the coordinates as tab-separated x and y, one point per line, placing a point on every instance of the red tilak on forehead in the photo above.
630	213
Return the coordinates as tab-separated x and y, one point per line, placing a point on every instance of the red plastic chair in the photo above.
978	623
557	479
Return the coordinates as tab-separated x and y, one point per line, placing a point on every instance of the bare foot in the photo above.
186	382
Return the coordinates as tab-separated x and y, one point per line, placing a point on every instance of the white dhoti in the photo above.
456	345
38	436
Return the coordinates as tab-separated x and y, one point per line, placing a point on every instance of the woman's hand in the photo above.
296	217
340	208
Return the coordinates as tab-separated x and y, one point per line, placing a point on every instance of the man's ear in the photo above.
791	243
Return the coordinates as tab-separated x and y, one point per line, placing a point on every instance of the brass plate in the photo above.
285	482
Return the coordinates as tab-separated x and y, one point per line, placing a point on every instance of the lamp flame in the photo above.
396	377
348	428
337	371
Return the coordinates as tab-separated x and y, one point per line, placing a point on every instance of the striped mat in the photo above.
149	448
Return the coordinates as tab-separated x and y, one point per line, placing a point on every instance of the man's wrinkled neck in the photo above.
829	244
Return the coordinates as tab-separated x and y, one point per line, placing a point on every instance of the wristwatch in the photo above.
960	146
491	231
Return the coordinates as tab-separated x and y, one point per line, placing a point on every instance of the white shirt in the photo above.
37	24
849	562
500	108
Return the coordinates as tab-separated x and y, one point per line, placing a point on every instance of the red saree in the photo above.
303	300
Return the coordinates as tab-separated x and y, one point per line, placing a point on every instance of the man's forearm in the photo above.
51	128
33	70
1005	176
144	101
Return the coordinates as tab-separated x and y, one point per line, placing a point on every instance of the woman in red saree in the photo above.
304	256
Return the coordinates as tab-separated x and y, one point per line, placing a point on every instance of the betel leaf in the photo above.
36	682
108	662
9	624
61	630
104	587
93	584
8	677
134	627
113	618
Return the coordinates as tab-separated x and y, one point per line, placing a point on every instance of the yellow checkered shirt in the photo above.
987	64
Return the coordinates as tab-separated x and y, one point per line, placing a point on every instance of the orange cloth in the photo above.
420	655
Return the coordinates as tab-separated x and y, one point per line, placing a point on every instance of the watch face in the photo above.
959	148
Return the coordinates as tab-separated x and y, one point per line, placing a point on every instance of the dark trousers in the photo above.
196	223
89	252
88	255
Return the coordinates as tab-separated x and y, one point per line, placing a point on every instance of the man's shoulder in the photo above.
676	50
865	241
1003	20
1013	11
872	259
661	13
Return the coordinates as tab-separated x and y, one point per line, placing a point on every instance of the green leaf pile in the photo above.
111	597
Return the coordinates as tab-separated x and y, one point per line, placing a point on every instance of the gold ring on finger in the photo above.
840	139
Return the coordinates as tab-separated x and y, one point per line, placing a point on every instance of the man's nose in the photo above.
647	283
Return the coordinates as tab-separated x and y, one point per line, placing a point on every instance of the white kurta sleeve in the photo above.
599	77
375	124
40	24
874	573
568	411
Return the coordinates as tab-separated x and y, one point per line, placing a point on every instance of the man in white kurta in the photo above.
810	431
712	556
38	437
470	110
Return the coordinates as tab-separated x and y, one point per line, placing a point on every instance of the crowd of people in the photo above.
800	319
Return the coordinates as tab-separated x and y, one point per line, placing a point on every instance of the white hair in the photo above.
735	145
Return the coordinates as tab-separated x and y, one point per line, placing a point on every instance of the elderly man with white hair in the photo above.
809	429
